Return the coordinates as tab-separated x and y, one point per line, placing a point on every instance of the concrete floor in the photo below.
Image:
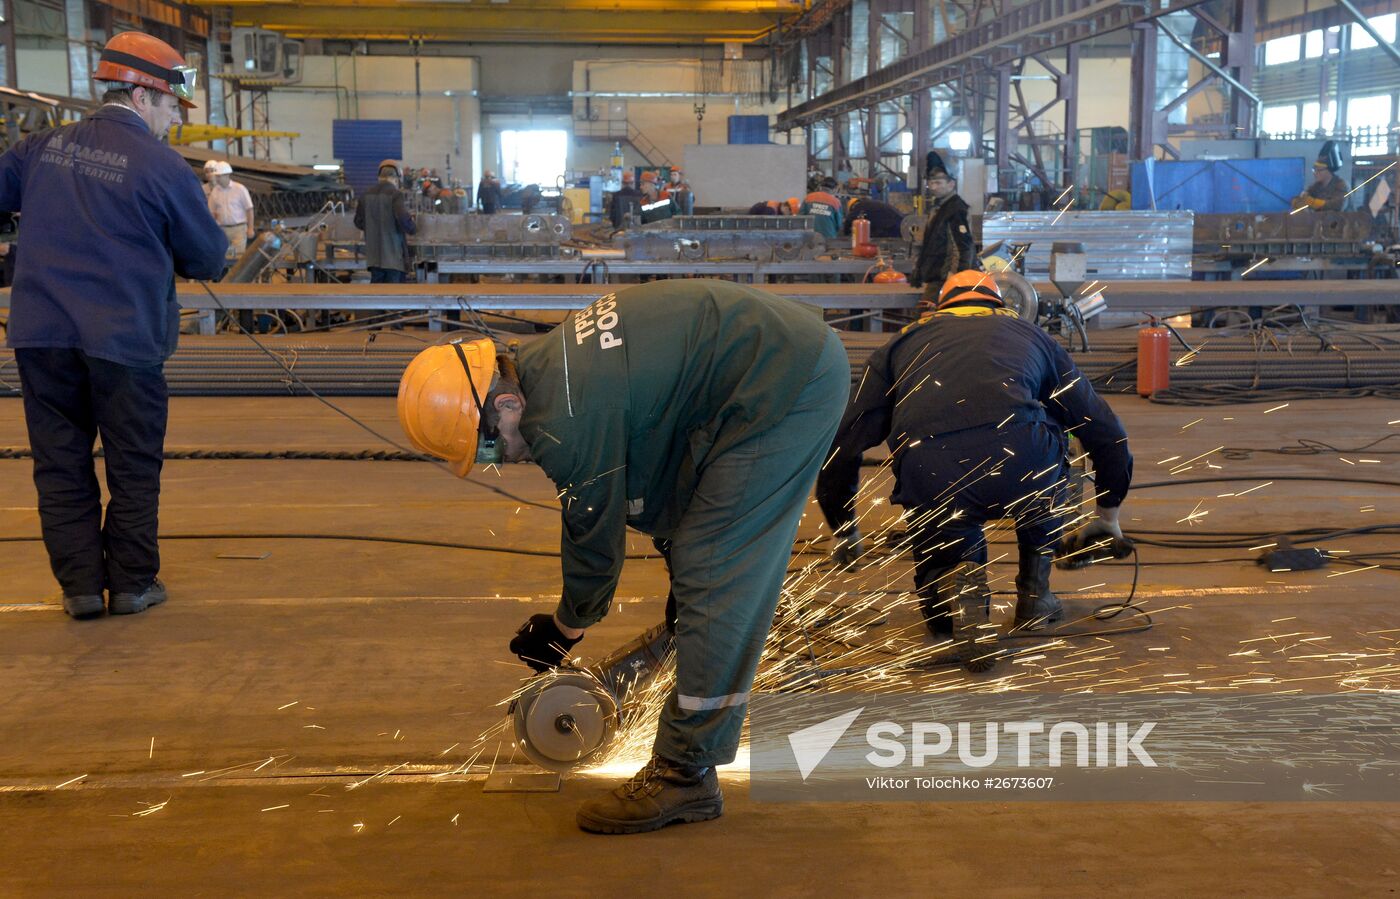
339	660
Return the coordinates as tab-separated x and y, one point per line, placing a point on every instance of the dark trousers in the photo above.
69	399
379	275
954	484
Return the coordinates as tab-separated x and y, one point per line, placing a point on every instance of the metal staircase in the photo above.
621	130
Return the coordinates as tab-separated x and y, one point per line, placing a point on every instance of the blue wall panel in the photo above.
360	145
1218	185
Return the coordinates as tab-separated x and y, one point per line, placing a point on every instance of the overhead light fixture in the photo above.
326	167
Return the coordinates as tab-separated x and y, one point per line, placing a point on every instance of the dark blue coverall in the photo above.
110	215
975	405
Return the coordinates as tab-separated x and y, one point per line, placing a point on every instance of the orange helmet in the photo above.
649	177
137	58
441	396
794	205
969	286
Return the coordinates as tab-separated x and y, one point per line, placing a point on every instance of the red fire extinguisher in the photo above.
1153	359
860	233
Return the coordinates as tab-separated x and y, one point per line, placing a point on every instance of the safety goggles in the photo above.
184	88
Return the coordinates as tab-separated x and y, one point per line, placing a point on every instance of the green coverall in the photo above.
698	412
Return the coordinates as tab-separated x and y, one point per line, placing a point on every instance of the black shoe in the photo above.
973	631
88	605
936	605
662	793
1036	605
131	603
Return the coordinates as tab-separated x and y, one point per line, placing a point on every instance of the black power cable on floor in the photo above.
332	406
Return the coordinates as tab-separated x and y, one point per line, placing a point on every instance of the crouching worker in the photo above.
695	411
976	405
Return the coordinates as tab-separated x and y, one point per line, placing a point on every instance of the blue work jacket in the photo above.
108	216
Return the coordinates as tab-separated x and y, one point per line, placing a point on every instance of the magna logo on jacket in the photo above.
102	164
601	319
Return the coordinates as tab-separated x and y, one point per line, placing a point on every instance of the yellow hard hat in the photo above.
969	286
441	395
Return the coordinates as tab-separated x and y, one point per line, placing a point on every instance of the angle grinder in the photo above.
567	717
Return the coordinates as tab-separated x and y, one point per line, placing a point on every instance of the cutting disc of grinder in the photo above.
1019	294
564	719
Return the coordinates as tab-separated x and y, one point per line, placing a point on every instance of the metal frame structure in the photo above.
974	55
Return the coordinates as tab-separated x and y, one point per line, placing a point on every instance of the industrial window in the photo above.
534	157
1370	118
1310	118
1282	50
1312	44
1385	27
1280	119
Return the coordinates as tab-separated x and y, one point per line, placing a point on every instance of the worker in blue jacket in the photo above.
111	215
977	407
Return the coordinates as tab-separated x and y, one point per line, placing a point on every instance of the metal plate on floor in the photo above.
522	782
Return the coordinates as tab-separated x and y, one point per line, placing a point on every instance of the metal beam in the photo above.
506	23
1210	65
1033	27
1365	26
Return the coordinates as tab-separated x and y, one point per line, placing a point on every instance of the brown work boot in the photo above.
974	635
664	792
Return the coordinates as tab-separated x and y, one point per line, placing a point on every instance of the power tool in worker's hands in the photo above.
1097	541
567	716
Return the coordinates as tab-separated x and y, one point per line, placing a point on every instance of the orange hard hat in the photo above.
794	205
441	395
969	286
629	176
649	176
137	58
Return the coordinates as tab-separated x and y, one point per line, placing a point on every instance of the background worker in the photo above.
655	207
976	405
488	193
698	412
947	247
626	202
232	208
884	219
111	215
827	211
383	217
208	184
1328	192
678	191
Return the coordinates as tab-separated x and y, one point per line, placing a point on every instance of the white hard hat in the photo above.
210	165
222	168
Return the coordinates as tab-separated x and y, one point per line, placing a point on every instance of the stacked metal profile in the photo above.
1119	246
343	366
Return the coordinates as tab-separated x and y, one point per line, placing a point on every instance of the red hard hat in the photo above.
134	57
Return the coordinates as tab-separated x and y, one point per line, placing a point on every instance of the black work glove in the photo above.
540	644
1097	541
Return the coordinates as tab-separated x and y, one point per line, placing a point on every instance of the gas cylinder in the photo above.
866	250
860	233
889	276
1153	360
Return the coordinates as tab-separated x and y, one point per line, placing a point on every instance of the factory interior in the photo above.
1196	203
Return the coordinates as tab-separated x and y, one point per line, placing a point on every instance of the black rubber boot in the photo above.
86	606
936	604
1036	606
662	793
131	603
973	631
